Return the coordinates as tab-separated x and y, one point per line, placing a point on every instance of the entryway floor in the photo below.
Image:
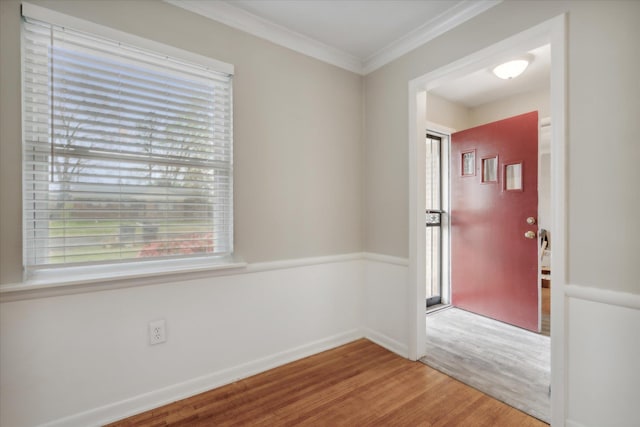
506	362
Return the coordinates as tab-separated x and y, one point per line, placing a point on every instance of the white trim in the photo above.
571	423
302	262
388	259
147	401
435	127
552	31
387	342
544	136
603	296
131	273
141	276
52	17
417	241
442	23
242	20
559	334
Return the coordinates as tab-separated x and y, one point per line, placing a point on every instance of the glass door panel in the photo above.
433	214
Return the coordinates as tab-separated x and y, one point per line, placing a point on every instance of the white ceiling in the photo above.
482	86
363	35
358	27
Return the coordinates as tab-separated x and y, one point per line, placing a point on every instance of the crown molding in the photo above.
244	21
435	27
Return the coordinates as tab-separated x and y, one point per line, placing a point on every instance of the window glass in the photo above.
127	153
490	169
469	163
513	177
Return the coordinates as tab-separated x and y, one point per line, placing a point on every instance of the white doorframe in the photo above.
554	33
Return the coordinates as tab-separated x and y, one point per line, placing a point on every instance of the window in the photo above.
127	152
513	176
490	169
469	163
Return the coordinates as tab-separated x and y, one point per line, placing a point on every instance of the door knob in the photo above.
530	234
531	220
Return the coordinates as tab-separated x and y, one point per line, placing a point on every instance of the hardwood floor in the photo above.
358	384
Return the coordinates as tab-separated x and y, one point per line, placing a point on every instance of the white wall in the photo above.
603	358
447	113
84	359
386	300
533	100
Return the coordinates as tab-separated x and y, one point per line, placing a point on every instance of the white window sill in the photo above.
95	278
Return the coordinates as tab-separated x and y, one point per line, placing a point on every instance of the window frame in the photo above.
105	271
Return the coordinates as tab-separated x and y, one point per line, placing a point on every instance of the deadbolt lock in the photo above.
530	234
531	220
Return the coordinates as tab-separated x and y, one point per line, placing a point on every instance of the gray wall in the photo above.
603	148
297	124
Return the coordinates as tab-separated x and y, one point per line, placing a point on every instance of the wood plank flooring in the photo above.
546	312
358	384
506	362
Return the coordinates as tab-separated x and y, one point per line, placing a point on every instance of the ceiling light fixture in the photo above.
511	69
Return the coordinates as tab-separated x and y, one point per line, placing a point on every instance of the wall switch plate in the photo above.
157	332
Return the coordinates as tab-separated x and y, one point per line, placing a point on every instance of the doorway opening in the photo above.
551	32
493	263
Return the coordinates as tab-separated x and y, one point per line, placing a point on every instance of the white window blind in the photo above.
127	153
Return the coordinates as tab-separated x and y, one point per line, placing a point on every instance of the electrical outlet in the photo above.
157	332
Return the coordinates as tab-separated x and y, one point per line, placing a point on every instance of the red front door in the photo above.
494	250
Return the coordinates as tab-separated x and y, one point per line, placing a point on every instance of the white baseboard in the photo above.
571	423
387	342
156	398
